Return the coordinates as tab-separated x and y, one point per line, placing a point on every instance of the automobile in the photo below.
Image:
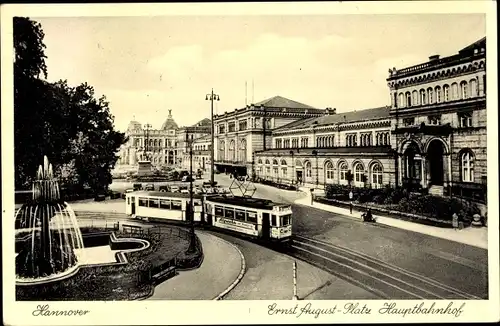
164	188
137	186
175	189
184	191
187	178
149	187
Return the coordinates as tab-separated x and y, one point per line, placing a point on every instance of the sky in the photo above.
148	65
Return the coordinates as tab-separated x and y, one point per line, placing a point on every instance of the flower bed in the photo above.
118	281
398	202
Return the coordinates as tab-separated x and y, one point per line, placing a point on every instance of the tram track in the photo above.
381	278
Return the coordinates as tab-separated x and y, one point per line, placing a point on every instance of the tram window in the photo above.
252	217
229	212
286	220
176	205
165	204
219	211
240	215
128	200
273	220
143	202
153	203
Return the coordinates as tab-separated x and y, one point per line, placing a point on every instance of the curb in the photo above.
240	276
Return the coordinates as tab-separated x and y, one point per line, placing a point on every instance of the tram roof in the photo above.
250	202
164	194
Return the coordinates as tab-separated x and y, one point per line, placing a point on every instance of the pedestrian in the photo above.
312	196
350	201
368	217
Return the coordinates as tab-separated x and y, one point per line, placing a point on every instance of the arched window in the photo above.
446	93
260	161
222	150
358	172
283	162
401	100
454	91
343	171
423	98
473	88
438	94
267	162
467	166
430	95
414	98
268	168
308	170
329	171
464	90
284	169
275	162
243	151
376	175
408	99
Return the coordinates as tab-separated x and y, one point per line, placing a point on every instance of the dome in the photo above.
169	123
133	125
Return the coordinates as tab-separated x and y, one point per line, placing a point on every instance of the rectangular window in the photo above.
239	215
228	212
286	220
231	127
165	204
176	205
408	121
273	220
243	125
435	120
284	172
465	119
219	210
143	202
252	217
154	203
222	129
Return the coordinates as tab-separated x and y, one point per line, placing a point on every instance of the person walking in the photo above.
350	201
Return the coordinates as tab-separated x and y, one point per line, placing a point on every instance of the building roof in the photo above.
281	102
204	122
342	117
478	43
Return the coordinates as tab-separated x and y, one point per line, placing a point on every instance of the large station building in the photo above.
433	134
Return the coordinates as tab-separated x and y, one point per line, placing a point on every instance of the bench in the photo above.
164	274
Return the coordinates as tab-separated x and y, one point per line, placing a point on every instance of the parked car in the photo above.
187	178
175	189
184	191
137	186
164	188
149	187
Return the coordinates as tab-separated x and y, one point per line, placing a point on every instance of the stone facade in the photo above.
433	134
160	149
242	132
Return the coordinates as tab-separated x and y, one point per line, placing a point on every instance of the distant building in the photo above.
157	145
199	130
240	133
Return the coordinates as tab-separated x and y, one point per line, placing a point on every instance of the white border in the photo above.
234	312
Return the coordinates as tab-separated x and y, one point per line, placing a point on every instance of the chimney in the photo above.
434	57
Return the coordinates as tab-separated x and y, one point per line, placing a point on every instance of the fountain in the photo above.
47	234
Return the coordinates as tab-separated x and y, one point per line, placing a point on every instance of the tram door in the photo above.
265	226
132	205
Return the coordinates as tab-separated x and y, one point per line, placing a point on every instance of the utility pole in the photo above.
189	141
212	97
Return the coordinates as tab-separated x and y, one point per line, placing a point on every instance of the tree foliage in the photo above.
68	124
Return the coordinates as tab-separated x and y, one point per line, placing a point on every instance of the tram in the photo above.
251	217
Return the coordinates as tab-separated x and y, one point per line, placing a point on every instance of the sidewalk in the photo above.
220	271
477	237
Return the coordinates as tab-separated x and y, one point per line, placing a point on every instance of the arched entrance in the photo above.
435	154
412	165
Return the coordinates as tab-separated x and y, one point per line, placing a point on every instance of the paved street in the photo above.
454	264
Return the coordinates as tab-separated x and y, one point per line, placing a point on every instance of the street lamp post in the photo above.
212	97
189	141
147	127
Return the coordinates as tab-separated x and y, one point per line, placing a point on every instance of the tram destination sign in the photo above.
236	226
